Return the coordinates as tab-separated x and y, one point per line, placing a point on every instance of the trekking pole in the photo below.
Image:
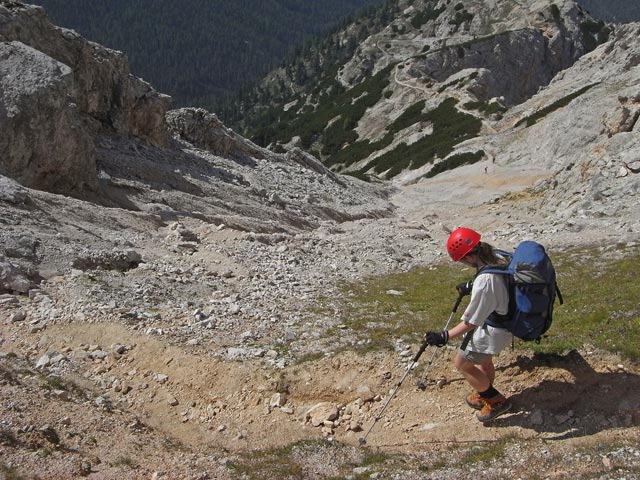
363	440
421	383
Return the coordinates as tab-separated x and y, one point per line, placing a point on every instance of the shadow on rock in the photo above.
570	398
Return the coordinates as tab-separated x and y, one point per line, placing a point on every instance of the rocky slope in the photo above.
160	292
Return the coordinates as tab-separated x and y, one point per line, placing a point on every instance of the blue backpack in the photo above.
531	282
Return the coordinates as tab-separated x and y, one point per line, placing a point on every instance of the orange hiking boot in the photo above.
493	407
474	400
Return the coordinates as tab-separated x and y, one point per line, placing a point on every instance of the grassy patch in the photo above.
8	376
426	302
10	473
288	462
52	382
374	457
269	464
126	462
8	438
601	304
603	450
533	118
487	451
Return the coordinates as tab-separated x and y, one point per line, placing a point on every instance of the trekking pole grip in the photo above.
457	304
421	350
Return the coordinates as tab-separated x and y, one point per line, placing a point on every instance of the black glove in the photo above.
464	288
439	339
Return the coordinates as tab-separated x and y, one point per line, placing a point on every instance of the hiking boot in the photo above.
493	407
474	400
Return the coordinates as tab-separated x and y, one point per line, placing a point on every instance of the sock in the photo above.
489	392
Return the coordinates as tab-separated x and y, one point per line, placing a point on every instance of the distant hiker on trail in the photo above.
482	341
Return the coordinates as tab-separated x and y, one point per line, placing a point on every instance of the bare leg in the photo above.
480	377
489	369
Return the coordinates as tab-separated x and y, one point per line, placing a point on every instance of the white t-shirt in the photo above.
489	294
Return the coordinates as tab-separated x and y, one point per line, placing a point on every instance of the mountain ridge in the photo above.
421	56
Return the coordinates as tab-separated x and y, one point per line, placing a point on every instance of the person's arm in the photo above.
460	329
481	304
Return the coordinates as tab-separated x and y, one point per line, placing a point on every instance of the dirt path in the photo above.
553	396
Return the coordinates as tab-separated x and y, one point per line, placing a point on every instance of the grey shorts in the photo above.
475	357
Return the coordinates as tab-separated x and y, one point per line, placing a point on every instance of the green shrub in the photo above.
429	13
594	33
357	151
459	82
450	127
533	119
485	107
460	17
350	105
454	161
360	150
411	115
555	13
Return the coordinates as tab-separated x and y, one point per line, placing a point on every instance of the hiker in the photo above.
489	294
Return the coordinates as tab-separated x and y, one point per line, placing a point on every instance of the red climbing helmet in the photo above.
461	242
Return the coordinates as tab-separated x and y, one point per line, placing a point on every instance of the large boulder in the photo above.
42	137
204	130
12	280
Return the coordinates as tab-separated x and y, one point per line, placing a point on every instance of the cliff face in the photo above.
60	91
442	38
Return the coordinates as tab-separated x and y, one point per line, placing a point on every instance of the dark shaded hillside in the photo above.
199	51
613	10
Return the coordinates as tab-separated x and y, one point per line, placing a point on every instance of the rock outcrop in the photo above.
43	139
204	130
58	92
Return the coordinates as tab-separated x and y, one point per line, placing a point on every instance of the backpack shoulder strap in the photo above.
496	319
499	269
